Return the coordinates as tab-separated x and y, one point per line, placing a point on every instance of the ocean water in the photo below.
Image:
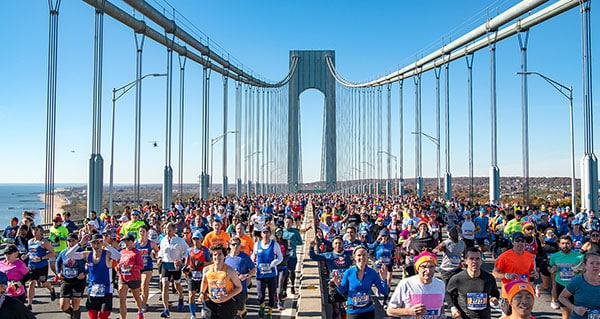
15	198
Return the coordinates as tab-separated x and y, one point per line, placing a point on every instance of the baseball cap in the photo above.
128	237
197	234
383	232
57	218
135	212
517	235
363	232
123	219
97	237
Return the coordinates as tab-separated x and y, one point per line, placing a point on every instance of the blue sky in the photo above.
371	39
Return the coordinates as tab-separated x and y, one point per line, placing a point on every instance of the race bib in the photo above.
430	314
593	314
125	272
217	293
565	273
477	300
265	268
361	300
97	290
55	244
385	260
197	275
32	254
454	260
22	249
70	273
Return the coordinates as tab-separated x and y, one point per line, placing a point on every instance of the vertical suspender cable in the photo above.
469	59
524	114
168	171
182	60
139	44
238	138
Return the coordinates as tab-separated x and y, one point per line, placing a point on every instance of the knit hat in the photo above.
516	286
422	222
425	257
525	224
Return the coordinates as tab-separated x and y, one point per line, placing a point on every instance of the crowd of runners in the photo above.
210	253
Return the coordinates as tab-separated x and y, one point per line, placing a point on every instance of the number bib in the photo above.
125	272
593	314
385	260
197	275
217	293
430	314
477	300
565	273
55	244
361	300
454	260
22	249
70	273
265	268
97	290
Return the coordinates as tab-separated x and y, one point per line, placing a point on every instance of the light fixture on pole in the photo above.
437	144
214	141
122	91
392	156
566	91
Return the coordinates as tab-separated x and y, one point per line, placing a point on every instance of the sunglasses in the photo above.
595	235
528	228
519	240
234	244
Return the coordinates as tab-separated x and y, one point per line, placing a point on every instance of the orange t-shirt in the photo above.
212	239
513	263
246	244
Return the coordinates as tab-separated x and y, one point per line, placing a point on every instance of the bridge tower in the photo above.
312	72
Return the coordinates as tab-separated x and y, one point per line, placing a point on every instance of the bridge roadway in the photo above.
308	303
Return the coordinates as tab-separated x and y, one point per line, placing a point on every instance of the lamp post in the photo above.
437	144
566	91
214	141
122	91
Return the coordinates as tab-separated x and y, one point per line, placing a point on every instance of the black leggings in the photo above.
261	285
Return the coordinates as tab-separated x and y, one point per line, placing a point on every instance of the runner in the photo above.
292	235
561	267
515	263
220	284
243	265
198	258
70	265
282	268
100	291
130	278
453	250
16	271
172	254
470	292
420	296
521	298
217	235
267	255
40	251
356	283
581	294
58	239
148	249
11	308
132	226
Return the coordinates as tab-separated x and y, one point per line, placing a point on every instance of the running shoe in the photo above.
293	290
29	307
165	314
202	313
180	305
53	295
554	305
145	308
537	291
261	312
279	305
192	317
140	315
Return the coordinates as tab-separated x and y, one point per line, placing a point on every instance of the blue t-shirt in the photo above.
359	291
585	295
242	264
482	222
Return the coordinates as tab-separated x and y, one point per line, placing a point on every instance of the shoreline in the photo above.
59	202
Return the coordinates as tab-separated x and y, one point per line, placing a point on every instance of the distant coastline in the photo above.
59	202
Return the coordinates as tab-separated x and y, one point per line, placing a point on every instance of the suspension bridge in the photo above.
363	149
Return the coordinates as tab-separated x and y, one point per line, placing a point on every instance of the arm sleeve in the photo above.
114	254
278	255
344	284
314	256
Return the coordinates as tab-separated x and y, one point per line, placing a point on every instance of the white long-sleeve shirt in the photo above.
172	249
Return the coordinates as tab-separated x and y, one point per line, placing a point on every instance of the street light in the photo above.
214	141
437	144
561	89
123	89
